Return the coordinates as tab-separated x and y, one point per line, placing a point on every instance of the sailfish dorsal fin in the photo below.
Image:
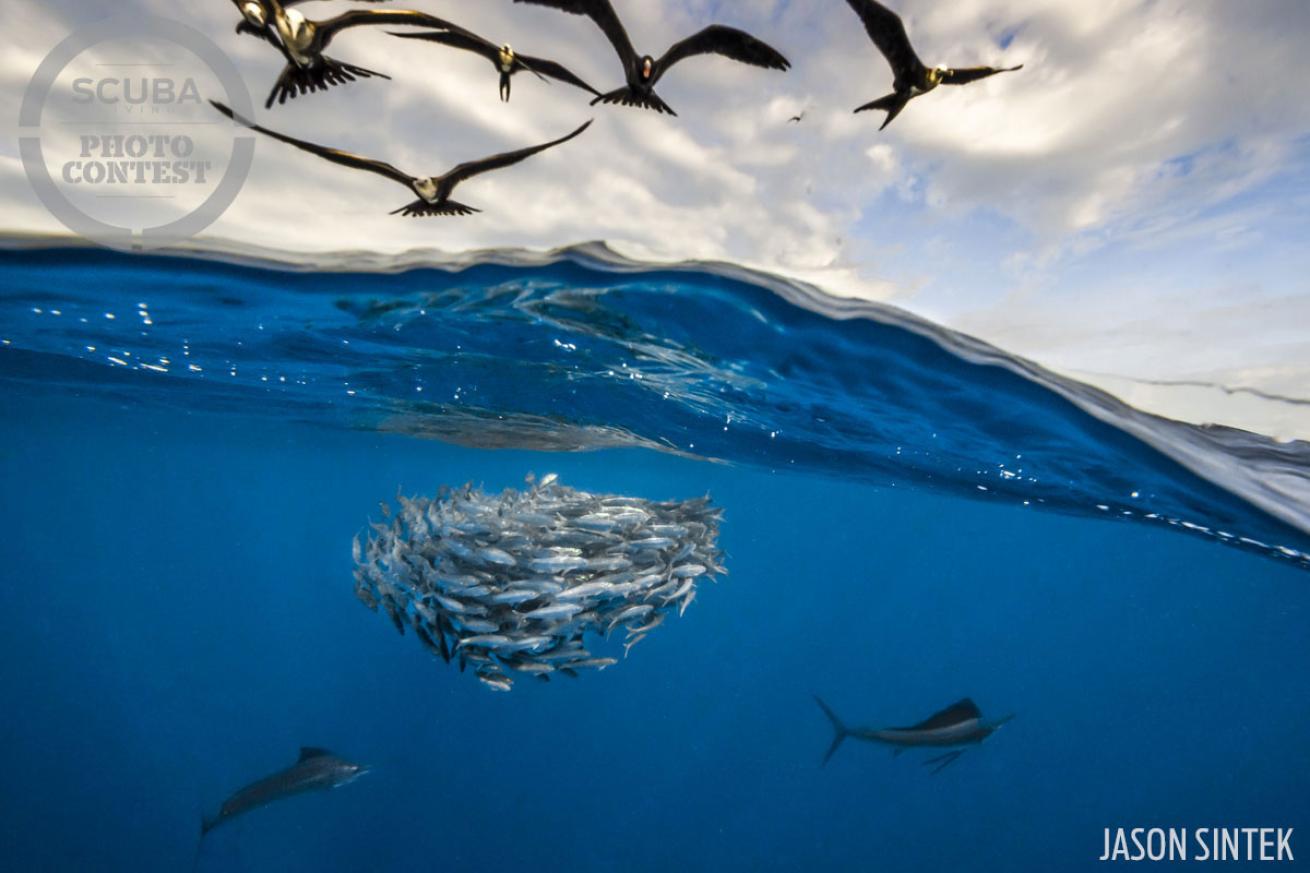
307	752
960	711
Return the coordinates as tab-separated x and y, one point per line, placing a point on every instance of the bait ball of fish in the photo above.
520	583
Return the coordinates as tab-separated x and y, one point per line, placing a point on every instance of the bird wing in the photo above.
727	41
888	32
470	169
357	17
543	67
965	75
459	38
601	12
336	156
247	29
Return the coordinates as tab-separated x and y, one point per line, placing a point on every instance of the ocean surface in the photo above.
189	445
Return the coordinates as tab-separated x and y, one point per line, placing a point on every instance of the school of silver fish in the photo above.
525	583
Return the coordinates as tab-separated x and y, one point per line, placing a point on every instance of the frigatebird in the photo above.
506	60
643	71
302	43
912	77
433	191
256	17
958	725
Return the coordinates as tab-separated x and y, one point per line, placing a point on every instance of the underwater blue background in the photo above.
176	619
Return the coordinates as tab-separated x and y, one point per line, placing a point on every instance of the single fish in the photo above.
585	590
490	641
495	681
955	727
554	611
655	621
315	770
632	641
514	596
596	663
686	601
498	557
630	613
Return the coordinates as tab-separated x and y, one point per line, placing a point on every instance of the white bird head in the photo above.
295	22
426	188
647	66
255	13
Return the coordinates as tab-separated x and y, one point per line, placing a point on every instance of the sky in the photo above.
1130	209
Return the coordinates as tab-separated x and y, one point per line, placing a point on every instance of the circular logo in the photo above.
119	141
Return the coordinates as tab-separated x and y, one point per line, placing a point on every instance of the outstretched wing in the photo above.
888	32
727	41
470	169
601	12
965	75
543	67
245	28
460	39
360	17
336	156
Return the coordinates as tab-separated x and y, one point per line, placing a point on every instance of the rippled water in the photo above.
584	351
190	444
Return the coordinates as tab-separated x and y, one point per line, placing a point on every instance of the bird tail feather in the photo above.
325	74
630	97
423	209
892	104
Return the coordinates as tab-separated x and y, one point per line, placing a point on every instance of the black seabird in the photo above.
256	17
643	71
302	42
433	191
506	60
956	727
913	78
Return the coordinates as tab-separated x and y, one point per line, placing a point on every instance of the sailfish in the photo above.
956	727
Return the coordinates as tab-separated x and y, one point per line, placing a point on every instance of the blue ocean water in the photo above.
910	518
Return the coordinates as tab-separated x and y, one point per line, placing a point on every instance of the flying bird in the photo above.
256	17
643	71
433	191
506	60
302	43
956	727
912	77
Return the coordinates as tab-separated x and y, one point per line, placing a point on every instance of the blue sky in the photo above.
1130	208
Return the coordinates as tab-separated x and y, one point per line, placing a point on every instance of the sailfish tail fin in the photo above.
206	825
839	730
